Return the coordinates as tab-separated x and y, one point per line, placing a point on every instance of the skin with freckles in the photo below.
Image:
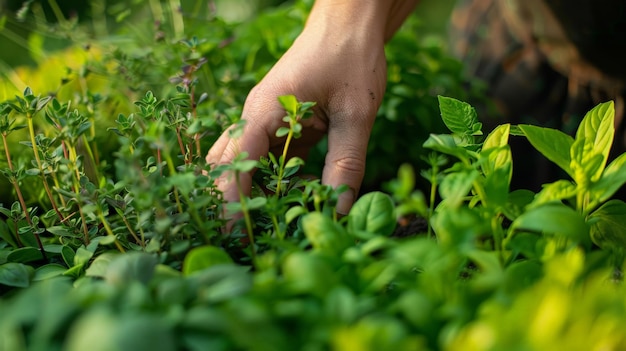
338	61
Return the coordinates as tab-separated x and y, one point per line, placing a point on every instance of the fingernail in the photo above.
345	201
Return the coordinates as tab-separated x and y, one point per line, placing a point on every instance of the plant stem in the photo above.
20	198
172	169
31	130
109	231
246	216
130	229
76	177
281	169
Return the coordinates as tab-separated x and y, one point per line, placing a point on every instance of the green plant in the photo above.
135	255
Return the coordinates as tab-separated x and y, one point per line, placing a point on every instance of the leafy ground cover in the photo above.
114	238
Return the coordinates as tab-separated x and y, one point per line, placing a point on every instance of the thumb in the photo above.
345	160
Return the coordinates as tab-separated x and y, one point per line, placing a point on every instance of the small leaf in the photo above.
613	177
324	234
32	171
49	271
281	132
256	203
15	274
554	218
132	266
446	144
68	255
597	129
294	162
82	256
294	213
455	186
203	257
25	254
307	272
289	103
557	191
244	165
553	144
586	165
517	202
373	213
100	265
498	137
608	228
460	117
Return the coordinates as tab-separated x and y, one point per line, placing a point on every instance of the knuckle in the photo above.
348	163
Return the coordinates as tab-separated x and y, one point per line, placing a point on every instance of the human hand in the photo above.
339	63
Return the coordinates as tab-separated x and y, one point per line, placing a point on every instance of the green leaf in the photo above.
184	182
554	218
458	227
132	266
294	213
82	256
256	203
244	166
586	166
460	117
68	255
557	191
15	274
294	162
373	213
553	144
61	231
99	329
289	103
498	137
100	265
497	152
516	203
281	132
48	271
497	182
446	144
608	228
456	186
613	177
597	129
203	257
324	234
5	233
25	254
307	272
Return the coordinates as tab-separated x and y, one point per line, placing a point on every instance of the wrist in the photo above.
370	20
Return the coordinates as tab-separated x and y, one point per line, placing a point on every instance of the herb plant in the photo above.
114	235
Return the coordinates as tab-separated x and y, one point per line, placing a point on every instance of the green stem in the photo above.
92	157
130	229
279	233
76	177
192	208
178	23
433	189
281	169
246	215
172	169
31	130
20	198
18	191
109	231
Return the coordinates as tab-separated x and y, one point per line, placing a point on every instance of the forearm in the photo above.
376	20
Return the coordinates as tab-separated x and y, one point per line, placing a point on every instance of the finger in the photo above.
345	161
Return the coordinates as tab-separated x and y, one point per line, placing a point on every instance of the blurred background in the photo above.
17	23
